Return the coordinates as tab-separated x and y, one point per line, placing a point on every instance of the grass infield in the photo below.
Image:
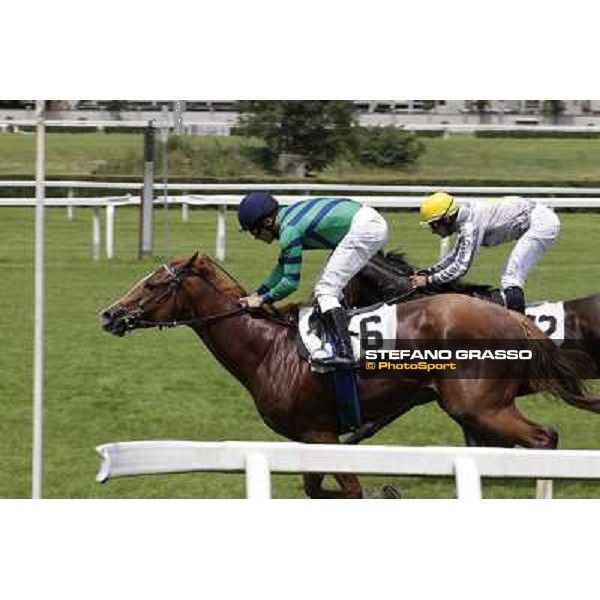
459	159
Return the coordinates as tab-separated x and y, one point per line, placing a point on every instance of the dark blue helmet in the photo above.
254	207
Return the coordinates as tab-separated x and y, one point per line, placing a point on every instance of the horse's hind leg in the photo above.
526	433
478	438
508	427
487	411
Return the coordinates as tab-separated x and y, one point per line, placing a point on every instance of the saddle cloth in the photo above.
550	318
379	322
375	324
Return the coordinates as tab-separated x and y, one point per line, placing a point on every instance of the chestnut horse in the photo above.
260	351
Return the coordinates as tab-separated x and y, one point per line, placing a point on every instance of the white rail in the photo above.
224	126
259	459
316	187
560	197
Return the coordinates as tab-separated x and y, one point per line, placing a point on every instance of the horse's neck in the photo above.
239	342
383	285
384	282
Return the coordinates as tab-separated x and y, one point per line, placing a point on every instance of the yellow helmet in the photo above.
436	206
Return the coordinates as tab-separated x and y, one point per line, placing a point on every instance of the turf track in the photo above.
165	385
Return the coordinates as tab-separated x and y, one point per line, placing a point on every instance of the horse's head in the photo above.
152	300
387	276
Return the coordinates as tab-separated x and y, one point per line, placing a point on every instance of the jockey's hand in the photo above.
252	301
417	281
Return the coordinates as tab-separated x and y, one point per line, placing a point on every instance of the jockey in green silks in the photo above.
353	231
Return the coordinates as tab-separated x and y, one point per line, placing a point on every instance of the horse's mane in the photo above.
394	263
216	274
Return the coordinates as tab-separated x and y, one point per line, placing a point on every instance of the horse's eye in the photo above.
149	286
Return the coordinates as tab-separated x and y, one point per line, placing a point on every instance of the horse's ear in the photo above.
190	263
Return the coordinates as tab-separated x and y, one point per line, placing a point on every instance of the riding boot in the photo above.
336	322
515	299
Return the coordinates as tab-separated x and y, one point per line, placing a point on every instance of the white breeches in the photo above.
544	229
368	233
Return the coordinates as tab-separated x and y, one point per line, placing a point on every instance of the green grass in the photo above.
477	160
166	385
454	159
517	159
73	155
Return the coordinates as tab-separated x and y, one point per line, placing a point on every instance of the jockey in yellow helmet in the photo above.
437	208
484	223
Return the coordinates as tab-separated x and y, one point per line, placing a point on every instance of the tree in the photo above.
314	131
388	146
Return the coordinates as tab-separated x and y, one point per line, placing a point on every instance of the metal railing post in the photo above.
147	196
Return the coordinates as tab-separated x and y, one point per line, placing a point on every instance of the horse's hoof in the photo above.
389	492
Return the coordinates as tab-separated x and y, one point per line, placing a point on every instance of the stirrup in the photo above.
337	361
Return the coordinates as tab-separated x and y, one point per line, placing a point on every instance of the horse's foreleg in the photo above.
370	428
313	485
313	482
367	430
349	486
471	438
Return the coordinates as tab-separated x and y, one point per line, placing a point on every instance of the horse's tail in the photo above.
558	371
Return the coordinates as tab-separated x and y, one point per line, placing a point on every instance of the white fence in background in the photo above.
224	195
260	459
319	187
223	127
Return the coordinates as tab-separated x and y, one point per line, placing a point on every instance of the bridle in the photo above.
173	287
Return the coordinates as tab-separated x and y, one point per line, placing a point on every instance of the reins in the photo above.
273	315
200	321
397	299
178	278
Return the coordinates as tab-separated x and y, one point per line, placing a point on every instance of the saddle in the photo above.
369	327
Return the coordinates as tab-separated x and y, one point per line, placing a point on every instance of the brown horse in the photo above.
386	277
260	351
